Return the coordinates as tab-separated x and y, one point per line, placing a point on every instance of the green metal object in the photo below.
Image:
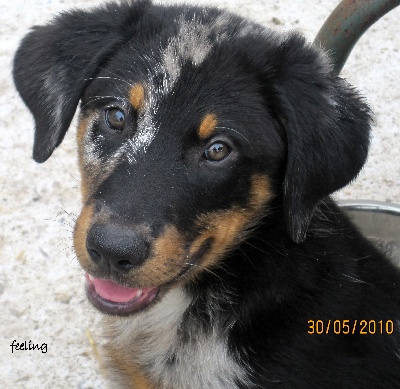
347	23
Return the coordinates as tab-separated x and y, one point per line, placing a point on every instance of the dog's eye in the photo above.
218	151
115	119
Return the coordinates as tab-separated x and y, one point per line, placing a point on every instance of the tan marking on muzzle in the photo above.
228	228
137	96
166	262
81	229
207	126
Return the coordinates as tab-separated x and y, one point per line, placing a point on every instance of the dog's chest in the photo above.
153	344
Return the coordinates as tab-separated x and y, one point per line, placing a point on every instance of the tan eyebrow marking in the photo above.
207	126
136	96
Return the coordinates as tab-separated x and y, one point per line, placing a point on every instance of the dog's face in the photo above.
173	175
191	123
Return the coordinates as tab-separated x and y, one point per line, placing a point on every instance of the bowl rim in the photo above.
371	206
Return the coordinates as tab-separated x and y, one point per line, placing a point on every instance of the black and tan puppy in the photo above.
208	147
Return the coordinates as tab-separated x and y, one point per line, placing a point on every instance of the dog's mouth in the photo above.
114	299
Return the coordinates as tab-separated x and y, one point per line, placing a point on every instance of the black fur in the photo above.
303	127
76	45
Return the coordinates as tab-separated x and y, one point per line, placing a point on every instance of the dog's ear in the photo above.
327	127
55	63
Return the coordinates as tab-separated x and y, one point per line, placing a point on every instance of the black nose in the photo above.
116	247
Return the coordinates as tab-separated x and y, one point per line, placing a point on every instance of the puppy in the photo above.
208	147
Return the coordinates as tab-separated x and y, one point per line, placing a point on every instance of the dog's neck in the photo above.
169	356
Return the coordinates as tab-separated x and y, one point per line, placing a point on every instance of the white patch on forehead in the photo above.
191	44
91	147
140	142
147	129
93	144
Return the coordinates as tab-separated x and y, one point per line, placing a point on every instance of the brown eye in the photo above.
217	152
115	119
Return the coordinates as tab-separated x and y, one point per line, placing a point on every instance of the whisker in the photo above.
124	101
70	214
257	248
107	78
236	131
62	242
190	264
115	74
212	273
354	279
243	252
76	148
267	243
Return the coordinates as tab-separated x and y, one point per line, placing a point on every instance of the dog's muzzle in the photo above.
117	249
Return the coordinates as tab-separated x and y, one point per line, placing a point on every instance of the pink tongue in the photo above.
113	292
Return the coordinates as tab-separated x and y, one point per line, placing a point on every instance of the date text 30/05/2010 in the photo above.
350	327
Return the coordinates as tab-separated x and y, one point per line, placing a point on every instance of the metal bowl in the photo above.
378	221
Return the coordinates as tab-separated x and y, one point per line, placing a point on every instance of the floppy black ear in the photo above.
55	63
327	126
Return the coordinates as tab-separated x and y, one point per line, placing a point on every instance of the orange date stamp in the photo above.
350	327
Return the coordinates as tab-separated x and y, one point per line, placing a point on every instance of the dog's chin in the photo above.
113	299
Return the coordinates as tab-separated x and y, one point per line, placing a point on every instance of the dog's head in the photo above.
192	121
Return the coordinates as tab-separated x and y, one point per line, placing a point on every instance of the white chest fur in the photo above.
154	342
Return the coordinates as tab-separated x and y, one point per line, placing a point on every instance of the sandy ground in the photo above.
41	286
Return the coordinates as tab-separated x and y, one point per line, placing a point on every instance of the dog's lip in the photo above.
114	299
